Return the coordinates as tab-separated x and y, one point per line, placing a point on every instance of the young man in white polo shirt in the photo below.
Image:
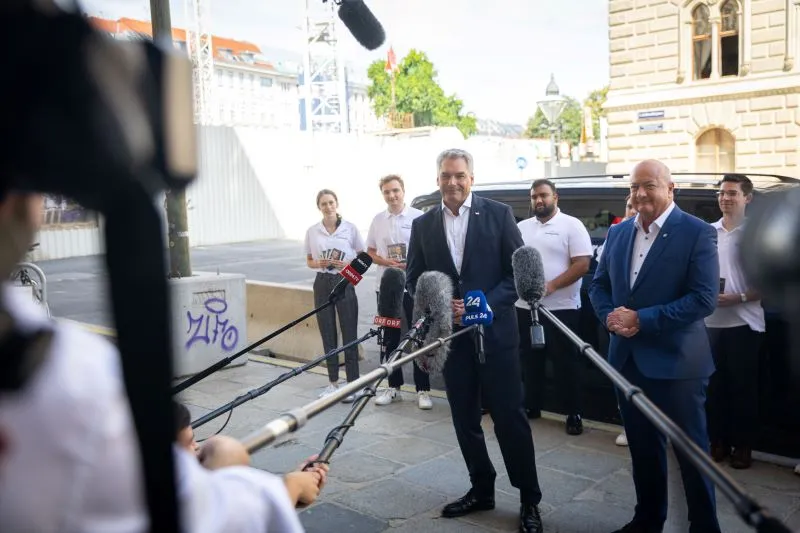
736	330
387	243
566	249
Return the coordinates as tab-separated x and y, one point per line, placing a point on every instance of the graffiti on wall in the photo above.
211	326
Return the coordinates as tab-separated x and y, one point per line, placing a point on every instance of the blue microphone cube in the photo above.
477	310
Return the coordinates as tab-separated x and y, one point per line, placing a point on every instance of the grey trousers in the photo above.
347	308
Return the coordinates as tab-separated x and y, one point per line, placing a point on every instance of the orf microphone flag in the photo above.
390	298
352	274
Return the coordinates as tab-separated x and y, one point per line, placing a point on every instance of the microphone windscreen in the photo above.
361	262
390	293
528	273
434	296
362	24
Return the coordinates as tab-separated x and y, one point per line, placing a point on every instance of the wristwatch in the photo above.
743	296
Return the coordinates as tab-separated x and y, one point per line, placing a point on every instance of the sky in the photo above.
496	55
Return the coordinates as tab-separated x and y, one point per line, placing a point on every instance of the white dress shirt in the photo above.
455	229
72	463
749	314
388	229
644	241
343	244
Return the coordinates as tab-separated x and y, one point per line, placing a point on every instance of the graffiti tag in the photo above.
211	326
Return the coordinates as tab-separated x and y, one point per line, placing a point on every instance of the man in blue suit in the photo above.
657	279
471	239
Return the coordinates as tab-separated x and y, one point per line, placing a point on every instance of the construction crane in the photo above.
201	53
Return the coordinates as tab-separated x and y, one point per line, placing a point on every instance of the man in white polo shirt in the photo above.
736	331
387	243
566	249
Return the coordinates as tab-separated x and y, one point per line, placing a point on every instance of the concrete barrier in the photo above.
271	306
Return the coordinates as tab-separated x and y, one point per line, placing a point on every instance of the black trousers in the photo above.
347	308
499	380
391	339
565	357
732	404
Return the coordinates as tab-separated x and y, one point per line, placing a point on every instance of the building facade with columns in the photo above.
705	85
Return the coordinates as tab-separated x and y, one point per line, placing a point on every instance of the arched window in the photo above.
701	43
716	152
729	39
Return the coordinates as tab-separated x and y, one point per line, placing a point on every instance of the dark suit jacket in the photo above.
675	290
492	236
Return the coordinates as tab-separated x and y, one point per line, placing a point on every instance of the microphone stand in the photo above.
336	436
297	418
537	330
749	510
255	393
183	385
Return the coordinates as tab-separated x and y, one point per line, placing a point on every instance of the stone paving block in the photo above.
446	475
392	499
200	399
504	517
584	463
359	467
587	517
332	518
282	398
220	386
408	450
558	488
408	407
282	459
387	424
437	524
598	440
442	431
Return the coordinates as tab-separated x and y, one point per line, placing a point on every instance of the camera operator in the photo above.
69	459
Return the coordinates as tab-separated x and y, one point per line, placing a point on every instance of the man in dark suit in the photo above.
471	239
657	279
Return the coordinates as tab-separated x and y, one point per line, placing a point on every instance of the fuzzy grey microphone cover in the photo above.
528	273
435	296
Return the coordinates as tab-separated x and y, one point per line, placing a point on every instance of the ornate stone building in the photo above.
705	85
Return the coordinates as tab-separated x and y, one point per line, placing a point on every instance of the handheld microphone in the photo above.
362	24
477	311
434	299
390	306
529	281
352	274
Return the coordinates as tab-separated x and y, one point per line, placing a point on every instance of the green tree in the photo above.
595	102
417	92
569	122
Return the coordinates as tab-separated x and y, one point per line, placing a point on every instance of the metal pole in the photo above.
180	265
297	418
553	151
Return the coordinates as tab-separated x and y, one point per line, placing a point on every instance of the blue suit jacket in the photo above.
492	237
675	290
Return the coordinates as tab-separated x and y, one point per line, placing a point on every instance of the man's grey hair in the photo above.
454	153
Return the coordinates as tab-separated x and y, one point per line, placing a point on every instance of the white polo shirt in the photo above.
730	269
390	235
558	240
343	244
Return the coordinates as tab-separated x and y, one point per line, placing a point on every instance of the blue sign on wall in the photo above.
521	162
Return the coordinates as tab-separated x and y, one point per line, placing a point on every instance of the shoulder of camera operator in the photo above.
71	460
233	497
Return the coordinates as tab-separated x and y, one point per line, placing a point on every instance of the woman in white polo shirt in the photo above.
330	245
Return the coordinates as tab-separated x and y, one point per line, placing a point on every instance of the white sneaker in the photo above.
424	400
622	439
327	391
387	396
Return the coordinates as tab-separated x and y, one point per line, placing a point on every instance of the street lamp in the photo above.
551	107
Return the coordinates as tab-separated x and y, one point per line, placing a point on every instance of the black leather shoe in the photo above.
467	504
574	425
636	526
530	521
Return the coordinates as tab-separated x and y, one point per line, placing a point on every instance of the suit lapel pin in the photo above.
664	236
477	213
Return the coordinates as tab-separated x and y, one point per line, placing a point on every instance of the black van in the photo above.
597	201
